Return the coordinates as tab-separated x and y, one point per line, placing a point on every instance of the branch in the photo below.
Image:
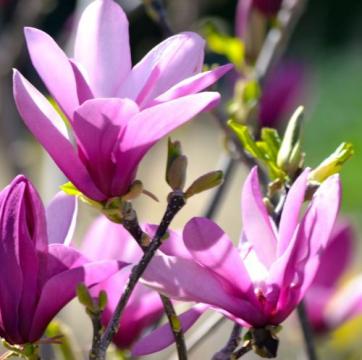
175	204
131	224
307	332
157	12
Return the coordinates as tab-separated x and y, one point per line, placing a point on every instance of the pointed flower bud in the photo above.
290	154
205	182
333	164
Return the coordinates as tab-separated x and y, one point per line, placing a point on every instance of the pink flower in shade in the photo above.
107	240
281	94
244	8
328	304
261	283
116	112
38	279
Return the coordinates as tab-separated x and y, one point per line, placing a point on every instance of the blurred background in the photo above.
326	44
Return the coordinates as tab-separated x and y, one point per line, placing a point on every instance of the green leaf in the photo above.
251	92
272	139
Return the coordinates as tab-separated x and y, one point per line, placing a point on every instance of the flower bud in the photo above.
290	155
176	166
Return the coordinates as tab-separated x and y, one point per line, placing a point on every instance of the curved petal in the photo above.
52	300
257	225
296	269
102	46
48	127
173	244
83	90
192	85
163	336
175	59
150	125
108	240
213	249
185	280
54	69
61	216
242	17
336	257
99	126
291	211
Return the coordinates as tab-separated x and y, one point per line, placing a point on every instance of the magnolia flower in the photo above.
38	279
328	304
281	93
261	283
244	8
107	240
115	112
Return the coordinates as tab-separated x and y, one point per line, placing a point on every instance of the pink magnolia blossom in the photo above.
107	240
264	280
329	305
38	279
116	113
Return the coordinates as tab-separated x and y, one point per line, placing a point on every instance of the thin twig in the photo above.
233	342
241	352
175	327
131	224
97	330
176	202
157	12
307	332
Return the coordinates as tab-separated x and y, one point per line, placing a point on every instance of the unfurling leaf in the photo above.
332	164
205	182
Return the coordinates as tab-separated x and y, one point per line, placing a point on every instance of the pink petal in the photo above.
173	245
102	46
291	211
193	84
108	240
83	90
256	222
61	216
163	337
52	300
242	17
170	62
54	69
213	249
183	279
150	125
48	127
99	126
296	269
336	257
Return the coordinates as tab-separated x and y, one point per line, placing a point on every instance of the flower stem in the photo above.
307	332
234	340
175	327
175	204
